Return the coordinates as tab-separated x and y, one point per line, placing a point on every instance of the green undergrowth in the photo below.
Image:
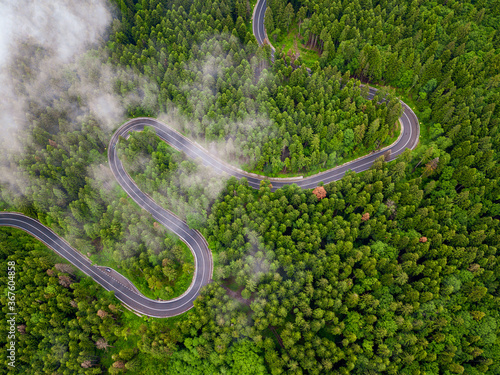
181	284
287	43
136	326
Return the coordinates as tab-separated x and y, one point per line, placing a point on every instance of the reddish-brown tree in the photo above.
320	192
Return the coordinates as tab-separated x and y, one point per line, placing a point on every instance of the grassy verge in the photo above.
295	43
253	3
185	279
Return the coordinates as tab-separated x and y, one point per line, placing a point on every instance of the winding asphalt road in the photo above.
203	258
258	28
259	31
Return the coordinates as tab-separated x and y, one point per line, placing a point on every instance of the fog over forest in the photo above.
392	270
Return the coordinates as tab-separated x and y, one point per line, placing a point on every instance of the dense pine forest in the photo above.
393	270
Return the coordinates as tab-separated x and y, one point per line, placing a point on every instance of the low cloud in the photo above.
215	67
62	29
54	73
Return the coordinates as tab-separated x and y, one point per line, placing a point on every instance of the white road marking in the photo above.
164	216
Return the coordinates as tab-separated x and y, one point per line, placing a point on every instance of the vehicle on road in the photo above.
198	245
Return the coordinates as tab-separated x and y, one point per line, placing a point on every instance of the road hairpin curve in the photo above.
408	138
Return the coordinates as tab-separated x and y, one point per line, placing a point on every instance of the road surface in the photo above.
409	137
259	31
195	241
258	22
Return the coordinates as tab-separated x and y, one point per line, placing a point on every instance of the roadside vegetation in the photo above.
394	271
